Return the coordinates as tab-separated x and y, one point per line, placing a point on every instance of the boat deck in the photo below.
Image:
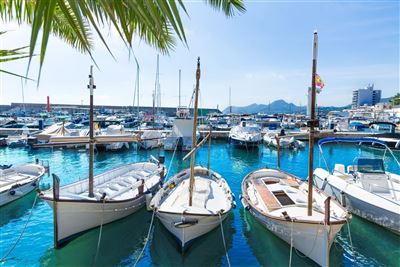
208	198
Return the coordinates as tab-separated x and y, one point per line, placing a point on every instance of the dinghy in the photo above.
196	200
364	187
17	181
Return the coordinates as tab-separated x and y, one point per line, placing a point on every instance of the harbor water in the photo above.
248	242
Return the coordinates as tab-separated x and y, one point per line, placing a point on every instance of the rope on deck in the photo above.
223	239
100	232
22	232
146	240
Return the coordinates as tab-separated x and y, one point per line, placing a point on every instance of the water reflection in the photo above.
207	250
121	243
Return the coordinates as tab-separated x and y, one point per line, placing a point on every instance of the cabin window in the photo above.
283	198
370	166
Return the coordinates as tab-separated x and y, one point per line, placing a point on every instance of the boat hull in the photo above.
187	227
359	206
313	240
18	192
75	217
243	143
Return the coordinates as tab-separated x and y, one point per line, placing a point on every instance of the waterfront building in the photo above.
366	96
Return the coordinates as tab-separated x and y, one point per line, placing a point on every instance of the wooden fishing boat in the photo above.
196	200
18	181
279	201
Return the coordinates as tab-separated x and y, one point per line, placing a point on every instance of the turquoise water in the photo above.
248	242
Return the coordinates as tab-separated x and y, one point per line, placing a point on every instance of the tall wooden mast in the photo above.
91	87
312	123
196	98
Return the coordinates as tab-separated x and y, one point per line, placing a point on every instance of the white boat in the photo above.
150	139
284	142
117	194
17	181
246	134
180	137
196	200
116	130
212	202
364	187
278	200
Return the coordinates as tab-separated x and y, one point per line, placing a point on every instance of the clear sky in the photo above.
263	55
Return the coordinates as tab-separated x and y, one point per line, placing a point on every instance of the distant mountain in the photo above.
278	106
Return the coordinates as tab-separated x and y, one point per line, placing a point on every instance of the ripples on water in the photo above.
248	242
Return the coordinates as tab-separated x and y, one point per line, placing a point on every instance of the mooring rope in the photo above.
291	244
351	241
22	232
100	232
223	240
146	240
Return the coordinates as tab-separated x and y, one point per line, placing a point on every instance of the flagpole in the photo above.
312	123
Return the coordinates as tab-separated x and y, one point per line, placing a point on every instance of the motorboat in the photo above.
18	181
180	137
364	187
150	139
246	134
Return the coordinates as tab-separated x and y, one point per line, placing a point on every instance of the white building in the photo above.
366	96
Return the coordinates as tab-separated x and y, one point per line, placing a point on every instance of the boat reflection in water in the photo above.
121	243
208	250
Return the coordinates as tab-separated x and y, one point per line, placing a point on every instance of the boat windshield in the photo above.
366	165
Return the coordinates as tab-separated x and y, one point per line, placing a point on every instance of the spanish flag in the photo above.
319	82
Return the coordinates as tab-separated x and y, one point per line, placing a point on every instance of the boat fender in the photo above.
342	199
240	197
34	184
12	192
103	196
233	196
234	204
171	185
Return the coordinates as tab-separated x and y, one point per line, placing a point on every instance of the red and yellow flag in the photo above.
319	82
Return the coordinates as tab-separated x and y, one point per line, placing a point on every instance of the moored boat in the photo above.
364	187
278	200
17	181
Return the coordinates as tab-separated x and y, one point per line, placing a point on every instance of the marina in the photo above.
117	181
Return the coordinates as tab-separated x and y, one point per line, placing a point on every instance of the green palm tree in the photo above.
157	22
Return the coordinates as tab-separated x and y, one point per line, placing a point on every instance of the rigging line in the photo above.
223	239
146	240
172	159
100	233
22	232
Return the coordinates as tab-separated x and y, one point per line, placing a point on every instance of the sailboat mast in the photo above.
230	101
196	98
312	123
91	86
137	85
179	106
